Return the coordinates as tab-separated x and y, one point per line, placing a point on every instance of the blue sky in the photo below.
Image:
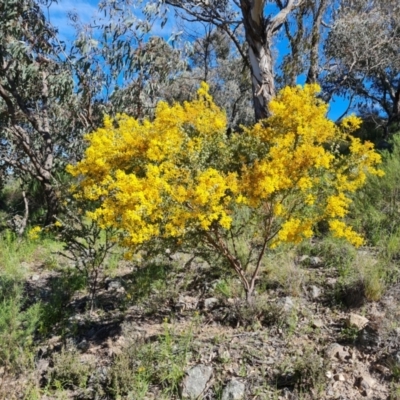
87	9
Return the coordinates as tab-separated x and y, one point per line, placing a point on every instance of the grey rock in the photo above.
317	323
234	390
315	292
83	345
315	261
339	377
369	336
195	382
210	303
287	304
114	285
357	321
35	278
335	350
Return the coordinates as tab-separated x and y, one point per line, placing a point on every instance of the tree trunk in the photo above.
262	77
249	296
52	202
260	56
312	75
260	31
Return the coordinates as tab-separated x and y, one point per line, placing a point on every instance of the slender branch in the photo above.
236	43
281	17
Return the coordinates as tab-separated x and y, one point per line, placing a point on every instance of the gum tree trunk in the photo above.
259	34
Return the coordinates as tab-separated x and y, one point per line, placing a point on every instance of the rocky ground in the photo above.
174	336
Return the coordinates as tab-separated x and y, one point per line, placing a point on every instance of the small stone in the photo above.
336	350
83	345
317	323
329	374
35	278
210	303
365	381
339	377
287	304
315	261
357	321
195	383
114	285
315	292
234	390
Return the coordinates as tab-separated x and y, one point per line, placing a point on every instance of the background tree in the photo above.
304	32
36	97
364	46
51	93
212	58
261	25
119	65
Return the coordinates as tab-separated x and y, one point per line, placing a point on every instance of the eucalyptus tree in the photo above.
261	21
212	58
52	93
305	31
364	48
37	101
119	64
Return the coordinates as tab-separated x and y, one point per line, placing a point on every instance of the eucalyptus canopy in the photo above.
364	44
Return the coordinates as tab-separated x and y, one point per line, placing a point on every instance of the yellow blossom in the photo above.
179	175
34	233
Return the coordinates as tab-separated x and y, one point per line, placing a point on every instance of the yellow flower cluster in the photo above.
34	233
181	174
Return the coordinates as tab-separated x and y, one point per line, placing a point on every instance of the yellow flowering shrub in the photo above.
179	176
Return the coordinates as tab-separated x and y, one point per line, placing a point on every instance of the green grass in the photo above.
162	362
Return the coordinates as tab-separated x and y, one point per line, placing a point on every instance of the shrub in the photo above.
17	326
179	177
376	209
87	245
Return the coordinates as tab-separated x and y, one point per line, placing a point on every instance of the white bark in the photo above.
259	34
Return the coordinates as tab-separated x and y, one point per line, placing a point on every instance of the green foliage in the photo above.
18	325
180	178
39	111
376	210
303	372
158	363
87	245
56	310
13	252
349	334
147	279
68	371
